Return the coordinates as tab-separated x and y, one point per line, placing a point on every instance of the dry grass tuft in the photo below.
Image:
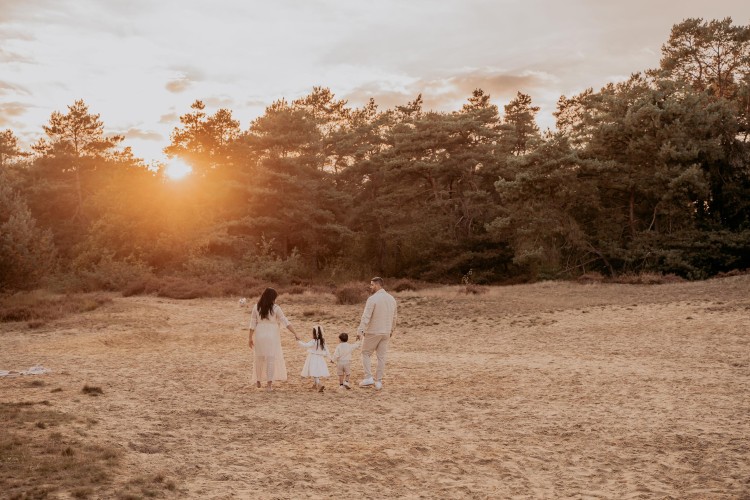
646	279
147	486
294	290
46	463
592	277
39	306
92	390
474	289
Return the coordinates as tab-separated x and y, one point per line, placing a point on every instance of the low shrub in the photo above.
293	290
646	279
592	277
733	272
351	294
39	306
404	285
183	288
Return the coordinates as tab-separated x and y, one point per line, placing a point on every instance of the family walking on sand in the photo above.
373	334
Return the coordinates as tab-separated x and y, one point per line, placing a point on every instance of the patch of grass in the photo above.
39	306
592	277
38	463
646	279
474	289
92	390
147	486
294	290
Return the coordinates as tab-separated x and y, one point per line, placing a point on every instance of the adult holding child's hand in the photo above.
266	321
377	326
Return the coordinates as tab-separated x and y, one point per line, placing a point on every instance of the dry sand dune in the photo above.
551	390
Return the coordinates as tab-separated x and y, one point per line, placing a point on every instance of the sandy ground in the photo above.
551	390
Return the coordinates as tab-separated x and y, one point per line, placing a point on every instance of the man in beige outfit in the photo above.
377	326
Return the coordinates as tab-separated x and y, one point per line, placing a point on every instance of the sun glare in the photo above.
177	169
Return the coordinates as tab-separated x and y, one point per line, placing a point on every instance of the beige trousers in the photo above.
379	345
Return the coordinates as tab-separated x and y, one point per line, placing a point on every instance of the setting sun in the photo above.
177	169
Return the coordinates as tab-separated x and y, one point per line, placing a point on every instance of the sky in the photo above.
140	64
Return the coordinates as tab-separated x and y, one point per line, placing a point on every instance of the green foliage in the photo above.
266	264
27	253
649	175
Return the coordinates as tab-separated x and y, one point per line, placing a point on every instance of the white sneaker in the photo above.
346	384
367	382
378	385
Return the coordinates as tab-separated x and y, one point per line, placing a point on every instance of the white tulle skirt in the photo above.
315	366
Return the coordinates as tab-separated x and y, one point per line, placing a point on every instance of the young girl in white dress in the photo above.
315	364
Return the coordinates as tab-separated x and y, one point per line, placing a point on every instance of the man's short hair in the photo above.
343	337
378	280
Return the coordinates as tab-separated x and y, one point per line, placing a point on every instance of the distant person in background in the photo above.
266	321
377	326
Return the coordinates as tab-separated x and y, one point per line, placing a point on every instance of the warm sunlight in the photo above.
177	170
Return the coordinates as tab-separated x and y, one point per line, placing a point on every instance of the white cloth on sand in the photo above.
34	370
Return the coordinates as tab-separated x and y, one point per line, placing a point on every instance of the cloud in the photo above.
11	109
146	135
501	84
384	98
12	57
13	34
169	118
449	93
24	10
178	85
7	88
219	102
185	77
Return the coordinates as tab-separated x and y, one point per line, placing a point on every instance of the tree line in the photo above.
647	175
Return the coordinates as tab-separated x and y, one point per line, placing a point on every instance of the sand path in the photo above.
547	390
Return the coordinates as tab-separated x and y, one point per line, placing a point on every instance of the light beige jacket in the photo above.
380	315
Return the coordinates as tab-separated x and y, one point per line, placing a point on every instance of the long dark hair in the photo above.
320	342
265	304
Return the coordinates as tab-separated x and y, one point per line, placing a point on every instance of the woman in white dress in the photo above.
265	338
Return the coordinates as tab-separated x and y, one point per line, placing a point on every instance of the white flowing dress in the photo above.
315	364
268	358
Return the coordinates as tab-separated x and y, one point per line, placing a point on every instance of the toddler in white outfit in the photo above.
342	356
